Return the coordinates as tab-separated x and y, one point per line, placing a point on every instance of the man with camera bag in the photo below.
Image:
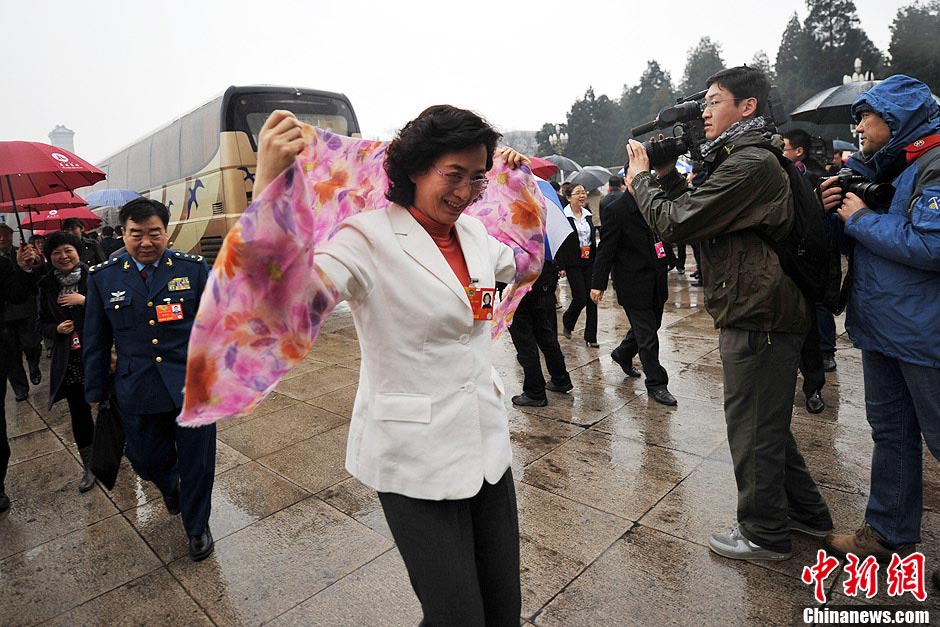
893	304
760	310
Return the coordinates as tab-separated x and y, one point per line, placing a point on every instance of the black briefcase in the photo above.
107	448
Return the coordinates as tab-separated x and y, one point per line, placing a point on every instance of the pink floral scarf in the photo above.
264	303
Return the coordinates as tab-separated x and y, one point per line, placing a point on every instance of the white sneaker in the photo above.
734	545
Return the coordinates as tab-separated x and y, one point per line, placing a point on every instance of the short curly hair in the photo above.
436	131
60	238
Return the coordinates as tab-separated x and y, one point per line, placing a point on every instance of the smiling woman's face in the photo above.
64	258
442	196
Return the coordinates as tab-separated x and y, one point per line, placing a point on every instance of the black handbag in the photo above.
107	447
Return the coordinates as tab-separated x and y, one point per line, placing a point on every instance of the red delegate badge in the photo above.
481	301
169	313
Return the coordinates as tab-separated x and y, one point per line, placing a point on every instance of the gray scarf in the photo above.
68	281
735	130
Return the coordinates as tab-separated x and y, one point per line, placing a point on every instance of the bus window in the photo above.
248	111
165	161
199	140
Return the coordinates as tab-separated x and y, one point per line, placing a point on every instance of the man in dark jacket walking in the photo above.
761	312
628	252
892	312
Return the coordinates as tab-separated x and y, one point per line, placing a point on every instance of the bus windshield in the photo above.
248	111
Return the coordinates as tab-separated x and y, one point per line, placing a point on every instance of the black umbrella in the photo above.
833	105
563	163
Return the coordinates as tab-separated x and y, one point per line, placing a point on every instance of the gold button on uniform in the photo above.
152	322
155	341
159	359
117	306
150	303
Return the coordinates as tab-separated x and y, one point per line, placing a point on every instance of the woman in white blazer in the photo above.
429	430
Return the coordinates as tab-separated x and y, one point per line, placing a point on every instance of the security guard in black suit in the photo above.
145	301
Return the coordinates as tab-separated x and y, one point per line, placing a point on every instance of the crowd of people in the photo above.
429	430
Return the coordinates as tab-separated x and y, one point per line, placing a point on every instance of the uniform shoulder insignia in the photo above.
189	257
95	267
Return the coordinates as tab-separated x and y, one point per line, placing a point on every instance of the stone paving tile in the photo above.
274	402
339	402
649	578
533	436
53	577
314	464
21	418
697	428
154	599
358	501
279	429
584	406
616	475
313	384
32	445
240	497
269	567
46	503
377	594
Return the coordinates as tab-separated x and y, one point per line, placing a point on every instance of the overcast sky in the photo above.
114	70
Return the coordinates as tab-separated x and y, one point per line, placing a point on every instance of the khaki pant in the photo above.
773	482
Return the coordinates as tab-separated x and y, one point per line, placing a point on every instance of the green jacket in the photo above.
745	287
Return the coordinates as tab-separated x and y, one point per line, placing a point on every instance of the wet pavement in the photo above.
617	496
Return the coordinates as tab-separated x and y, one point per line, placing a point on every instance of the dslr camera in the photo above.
874	195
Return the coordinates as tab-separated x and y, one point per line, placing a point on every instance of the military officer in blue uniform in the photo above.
145	301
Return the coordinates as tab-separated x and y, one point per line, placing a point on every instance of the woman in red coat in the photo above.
61	316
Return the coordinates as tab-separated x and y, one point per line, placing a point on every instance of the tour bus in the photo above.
202	165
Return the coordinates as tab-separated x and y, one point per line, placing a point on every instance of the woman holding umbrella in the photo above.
61	317
580	268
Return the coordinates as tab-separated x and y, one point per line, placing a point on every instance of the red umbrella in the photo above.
58	200
52	219
34	169
542	168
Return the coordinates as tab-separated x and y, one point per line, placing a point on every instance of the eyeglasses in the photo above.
459	180
714	103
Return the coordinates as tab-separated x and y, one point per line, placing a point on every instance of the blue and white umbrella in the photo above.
111	197
557	227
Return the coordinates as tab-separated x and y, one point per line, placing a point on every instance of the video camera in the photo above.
688	129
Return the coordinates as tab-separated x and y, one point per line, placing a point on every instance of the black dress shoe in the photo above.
35	376
523	400
172	501
555	387
697	283
4	502
815	403
22	397
566	333
662	395
201	546
829	363
627	368
591	344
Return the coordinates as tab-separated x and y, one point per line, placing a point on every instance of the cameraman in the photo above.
893	305
761	312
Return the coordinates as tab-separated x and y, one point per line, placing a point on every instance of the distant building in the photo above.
62	137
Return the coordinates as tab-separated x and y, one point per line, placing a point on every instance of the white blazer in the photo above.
429	420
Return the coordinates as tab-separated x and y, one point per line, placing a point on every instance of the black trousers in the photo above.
643	339
579	280
83	425
24	339
462	555
6	356
164	452
811	366
535	327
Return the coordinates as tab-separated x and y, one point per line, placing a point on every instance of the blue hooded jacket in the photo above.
894	303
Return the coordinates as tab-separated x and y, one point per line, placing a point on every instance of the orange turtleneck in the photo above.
445	236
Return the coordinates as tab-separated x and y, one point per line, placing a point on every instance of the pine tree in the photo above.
912	49
701	62
794	63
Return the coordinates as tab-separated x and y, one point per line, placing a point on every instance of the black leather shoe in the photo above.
554	387
524	400
4	502
201	546
829	363
815	403
662	395
172	501
22	397
627	368
566	333
591	344
697	283
35	376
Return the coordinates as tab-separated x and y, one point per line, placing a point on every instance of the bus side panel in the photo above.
195	211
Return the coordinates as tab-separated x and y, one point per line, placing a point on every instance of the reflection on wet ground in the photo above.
617	496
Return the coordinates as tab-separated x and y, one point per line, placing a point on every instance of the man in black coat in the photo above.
16	286
632	255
